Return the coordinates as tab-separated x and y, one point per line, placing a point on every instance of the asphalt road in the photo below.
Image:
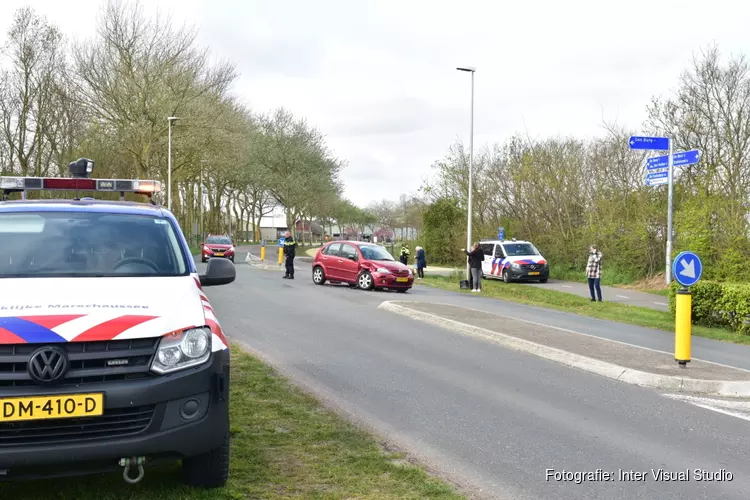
610	294
493	420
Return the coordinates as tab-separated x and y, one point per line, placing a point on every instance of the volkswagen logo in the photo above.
48	364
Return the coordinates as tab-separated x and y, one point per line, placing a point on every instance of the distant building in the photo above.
273	226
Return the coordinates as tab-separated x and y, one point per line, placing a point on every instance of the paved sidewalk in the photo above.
625	362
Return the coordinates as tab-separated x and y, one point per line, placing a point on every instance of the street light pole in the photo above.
471	70
170	119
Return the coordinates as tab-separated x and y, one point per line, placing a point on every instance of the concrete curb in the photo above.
727	388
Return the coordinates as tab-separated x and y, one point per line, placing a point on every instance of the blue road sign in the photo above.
657	175
657	143
501	233
678	159
687	268
281	241
656	182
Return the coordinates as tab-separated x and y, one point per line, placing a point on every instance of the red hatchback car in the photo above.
217	246
360	264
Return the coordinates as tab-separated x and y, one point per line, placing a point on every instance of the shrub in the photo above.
718	304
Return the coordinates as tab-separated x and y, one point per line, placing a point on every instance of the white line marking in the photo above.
661	303
738	409
622	296
559	328
566	286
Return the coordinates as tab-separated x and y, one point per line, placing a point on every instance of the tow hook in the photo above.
132	461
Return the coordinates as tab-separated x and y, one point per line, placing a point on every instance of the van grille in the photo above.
90	362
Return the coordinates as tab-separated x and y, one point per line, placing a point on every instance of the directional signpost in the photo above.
678	160
687	269
660	144
654	143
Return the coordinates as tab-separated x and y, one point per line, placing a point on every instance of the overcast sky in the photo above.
378	77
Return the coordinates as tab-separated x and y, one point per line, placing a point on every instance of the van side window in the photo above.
499	251
486	249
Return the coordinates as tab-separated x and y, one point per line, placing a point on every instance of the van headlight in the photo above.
182	350
516	265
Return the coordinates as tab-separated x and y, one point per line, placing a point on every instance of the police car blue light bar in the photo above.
146	187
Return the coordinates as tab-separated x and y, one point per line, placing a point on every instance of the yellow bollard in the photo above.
262	252
683	315
281	255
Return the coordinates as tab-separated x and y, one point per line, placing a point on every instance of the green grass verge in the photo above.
284	445
611	276
562	301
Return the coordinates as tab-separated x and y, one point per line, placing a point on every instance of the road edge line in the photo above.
604	368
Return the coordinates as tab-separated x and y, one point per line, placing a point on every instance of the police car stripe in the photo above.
7	337
52	321
111	328
28	331
73	328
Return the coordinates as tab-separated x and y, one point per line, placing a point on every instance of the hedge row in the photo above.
724	305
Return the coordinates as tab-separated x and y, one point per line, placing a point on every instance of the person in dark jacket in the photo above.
421	263
476	257
290	250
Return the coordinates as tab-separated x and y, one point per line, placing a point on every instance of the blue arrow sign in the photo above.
657	175
678	159
687	268
281	241
657	143
501	233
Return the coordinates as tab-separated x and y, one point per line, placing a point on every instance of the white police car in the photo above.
513	260
110	353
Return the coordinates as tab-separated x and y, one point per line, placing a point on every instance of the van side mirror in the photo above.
218	272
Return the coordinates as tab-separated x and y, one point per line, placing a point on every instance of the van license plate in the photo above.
49	407
535	273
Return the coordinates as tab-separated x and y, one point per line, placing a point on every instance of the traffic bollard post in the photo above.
281	255
262	252
683	326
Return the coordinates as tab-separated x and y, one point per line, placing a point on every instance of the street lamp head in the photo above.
171	118
470	69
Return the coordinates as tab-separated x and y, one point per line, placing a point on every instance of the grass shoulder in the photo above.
561	301
284	445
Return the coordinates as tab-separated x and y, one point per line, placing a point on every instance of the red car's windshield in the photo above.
374	252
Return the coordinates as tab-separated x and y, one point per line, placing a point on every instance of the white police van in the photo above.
110	352
513	260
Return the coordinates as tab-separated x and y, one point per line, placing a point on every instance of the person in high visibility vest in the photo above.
404	257
290	250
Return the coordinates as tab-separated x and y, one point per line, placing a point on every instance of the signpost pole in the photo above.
670	196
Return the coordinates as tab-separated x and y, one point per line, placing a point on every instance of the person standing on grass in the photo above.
594	273
421	263
476	257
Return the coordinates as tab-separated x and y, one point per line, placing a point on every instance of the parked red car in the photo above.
217	246
360	264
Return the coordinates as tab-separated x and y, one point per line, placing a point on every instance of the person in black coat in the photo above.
476	257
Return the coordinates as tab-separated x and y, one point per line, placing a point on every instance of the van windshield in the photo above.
85	244
518	249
